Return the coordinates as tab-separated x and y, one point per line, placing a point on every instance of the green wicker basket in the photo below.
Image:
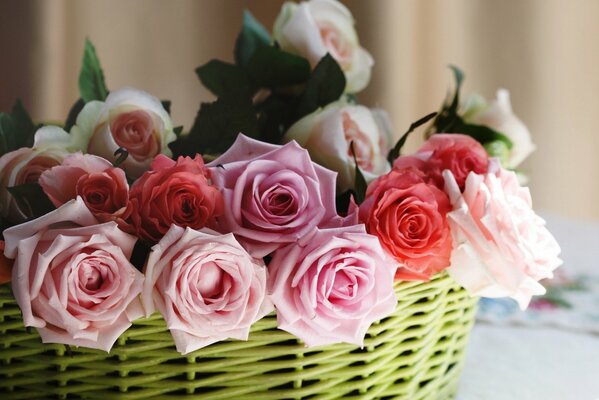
417	353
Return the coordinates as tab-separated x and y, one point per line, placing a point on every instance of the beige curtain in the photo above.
544	51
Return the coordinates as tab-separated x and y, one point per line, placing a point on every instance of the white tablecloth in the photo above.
542	362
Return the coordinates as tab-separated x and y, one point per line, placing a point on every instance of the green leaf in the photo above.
394	153
91	77
177	130
272	67
7	137
275	117
448	115
31	198
24	126
73	114
326	84
459	79
166	104
252	36
222	78
121	155
217	125
360	181
483	134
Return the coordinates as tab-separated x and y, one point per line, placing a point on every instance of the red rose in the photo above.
458	153
102	187
407	214
172	192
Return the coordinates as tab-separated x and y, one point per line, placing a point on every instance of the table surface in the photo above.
533	362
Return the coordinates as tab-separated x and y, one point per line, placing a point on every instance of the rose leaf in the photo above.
91	77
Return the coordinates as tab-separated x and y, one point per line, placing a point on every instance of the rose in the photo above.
129	119
501	247
273	195
327	134
172	192
206	286
26	164
103	188
407	214
499	116
72	277
314	28
331	285
458	153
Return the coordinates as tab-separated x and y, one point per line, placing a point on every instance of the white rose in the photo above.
327	135
499	116
314	28
129	118
25	165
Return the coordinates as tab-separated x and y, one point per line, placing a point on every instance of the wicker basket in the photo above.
416	353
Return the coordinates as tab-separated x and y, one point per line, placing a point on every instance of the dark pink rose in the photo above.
103	188
458	153
172	192
274	195
408	215
331	285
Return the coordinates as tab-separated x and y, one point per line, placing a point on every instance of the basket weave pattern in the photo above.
416	353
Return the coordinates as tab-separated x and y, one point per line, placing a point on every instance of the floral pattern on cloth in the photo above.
569	303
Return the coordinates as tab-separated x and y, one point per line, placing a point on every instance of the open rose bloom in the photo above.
279	204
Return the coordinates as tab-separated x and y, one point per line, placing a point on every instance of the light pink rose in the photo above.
331	285
129	118
103	188
206	286
501	247
273	195
72	277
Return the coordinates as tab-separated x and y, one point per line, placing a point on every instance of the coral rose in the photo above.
407	214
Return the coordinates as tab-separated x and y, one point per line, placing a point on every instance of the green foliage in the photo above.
449	121
395	152
222	78
217	125
271	67
91	77
252	37
31	199
360	181
16	129
73	113
326	84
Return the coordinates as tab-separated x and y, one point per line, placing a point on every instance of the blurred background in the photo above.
544	51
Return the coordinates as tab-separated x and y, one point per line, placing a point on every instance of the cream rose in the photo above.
314	28
501	247
129	118
327	134
26	164
499	116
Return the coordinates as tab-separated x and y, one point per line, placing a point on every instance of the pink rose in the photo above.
72	277
25	165
173	192
103	188
407	214
206	286
501	247
331	285
274	195
456	152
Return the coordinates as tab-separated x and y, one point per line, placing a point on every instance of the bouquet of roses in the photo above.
285	195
